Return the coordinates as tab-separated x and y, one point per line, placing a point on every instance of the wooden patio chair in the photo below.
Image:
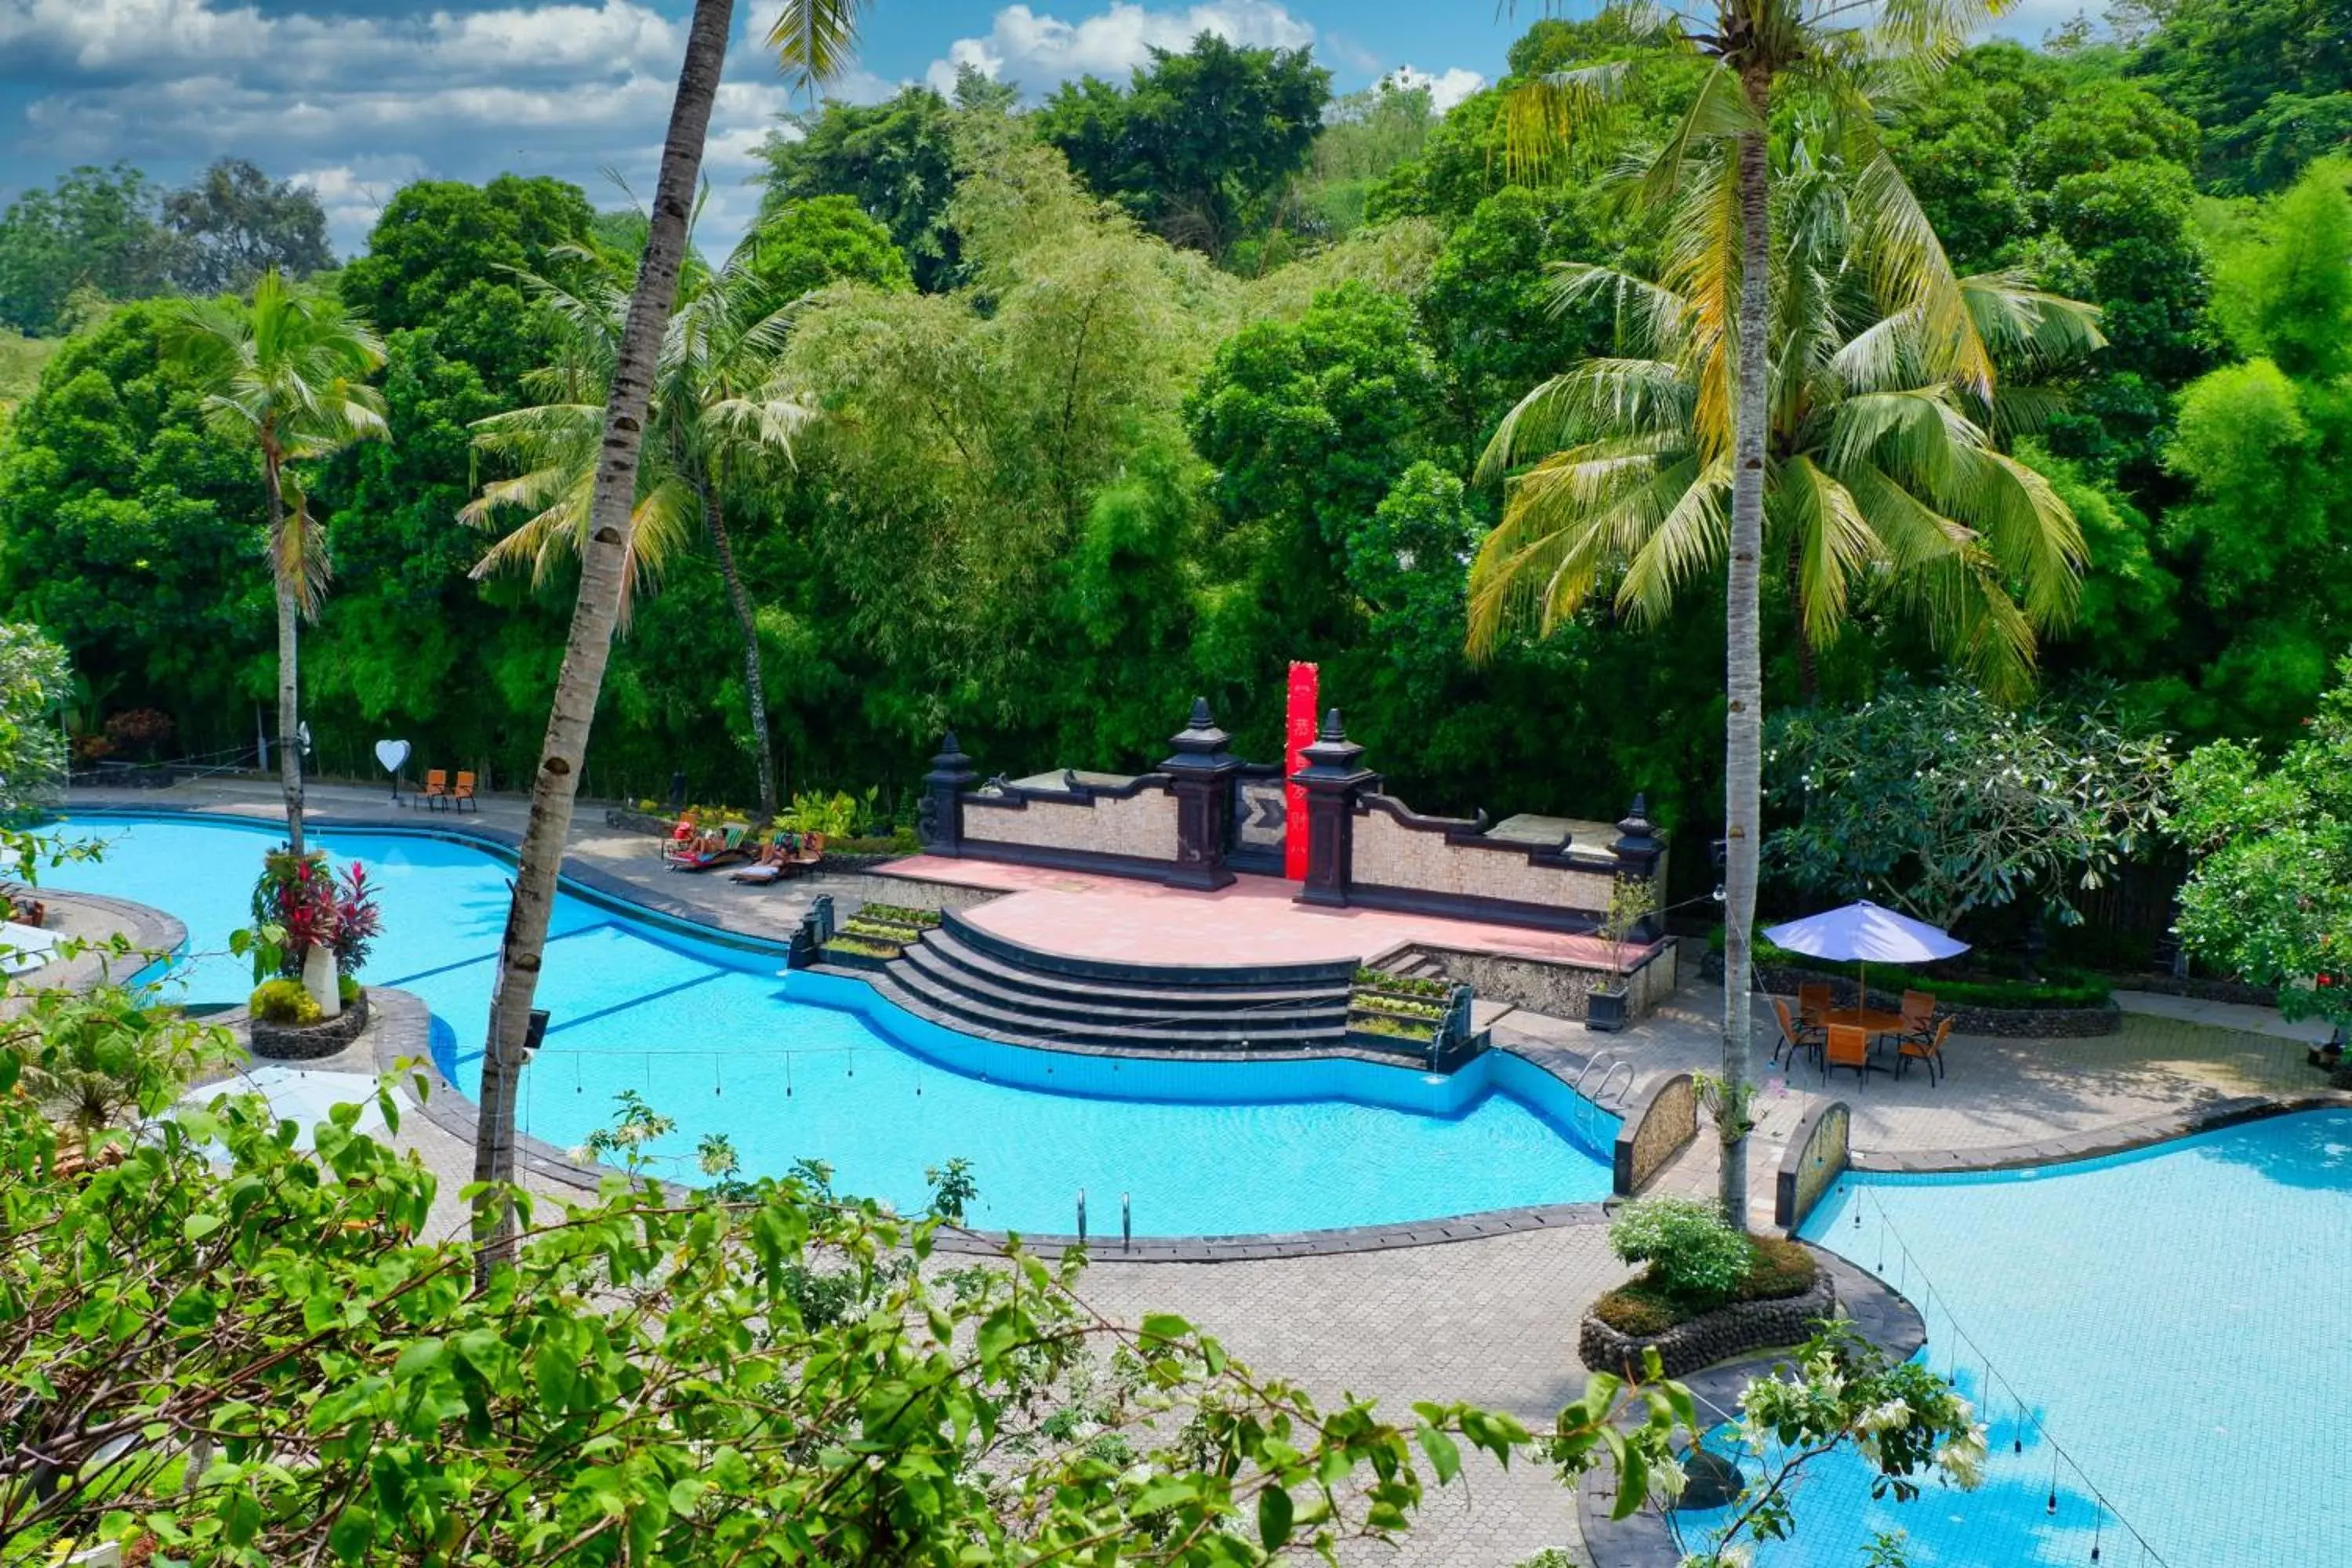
436	789
1814	998
462	795
812	851
1928	1049
1795	1038
1918	1015
1848	1047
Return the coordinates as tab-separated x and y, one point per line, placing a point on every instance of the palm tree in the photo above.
721	420
1880	470
1842	49
814	39
286	375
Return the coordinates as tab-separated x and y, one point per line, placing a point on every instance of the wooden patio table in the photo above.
1870	1020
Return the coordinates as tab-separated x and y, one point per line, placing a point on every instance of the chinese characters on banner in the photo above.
1299	733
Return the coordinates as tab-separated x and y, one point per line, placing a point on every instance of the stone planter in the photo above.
843	958
1719	1335
1605	1010
293	1043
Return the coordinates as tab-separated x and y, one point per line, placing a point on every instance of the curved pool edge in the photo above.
403	1044
1884	1315
2141	1136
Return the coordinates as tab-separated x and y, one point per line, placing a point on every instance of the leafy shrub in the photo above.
1401	984
298	904
1690	1251
898	915
864	946
1397	1006
1777	1270
144	730
348	988
2058	987
284	1002
1395	1028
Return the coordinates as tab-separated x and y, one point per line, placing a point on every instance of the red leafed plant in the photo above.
302	898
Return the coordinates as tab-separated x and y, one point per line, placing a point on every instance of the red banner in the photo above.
1299	733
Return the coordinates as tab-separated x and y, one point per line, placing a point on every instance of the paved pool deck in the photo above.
1491	1320
1257	919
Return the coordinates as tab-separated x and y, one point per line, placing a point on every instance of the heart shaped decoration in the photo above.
392	754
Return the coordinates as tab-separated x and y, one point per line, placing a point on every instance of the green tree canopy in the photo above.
235	223
895	159
94	228
1199	143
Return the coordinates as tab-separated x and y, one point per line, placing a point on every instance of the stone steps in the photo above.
967	978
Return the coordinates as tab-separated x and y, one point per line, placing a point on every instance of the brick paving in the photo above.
1490	1320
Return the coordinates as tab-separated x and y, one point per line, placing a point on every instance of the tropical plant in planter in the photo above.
1631	903
310	927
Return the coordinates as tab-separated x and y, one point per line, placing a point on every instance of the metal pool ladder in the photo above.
1608	1066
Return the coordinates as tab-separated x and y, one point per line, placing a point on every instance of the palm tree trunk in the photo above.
289	718
580	680
1743	658
763	749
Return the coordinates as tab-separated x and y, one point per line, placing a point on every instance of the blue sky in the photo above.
356	98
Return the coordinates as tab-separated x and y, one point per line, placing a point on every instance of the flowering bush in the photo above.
1690	1251
299	903
142	731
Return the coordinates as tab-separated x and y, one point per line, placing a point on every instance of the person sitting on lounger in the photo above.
772	864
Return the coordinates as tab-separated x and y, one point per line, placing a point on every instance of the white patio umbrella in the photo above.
1865	935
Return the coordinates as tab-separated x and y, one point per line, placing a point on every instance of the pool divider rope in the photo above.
2102	1506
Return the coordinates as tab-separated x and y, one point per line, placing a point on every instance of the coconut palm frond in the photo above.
814	41
1833	543
1910	274
1675	529
297	549
1543	118
1718	111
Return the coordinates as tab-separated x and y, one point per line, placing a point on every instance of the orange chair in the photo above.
436	788
1918	1015
1795	1038
1848	1047
1928	1049
1813	999
462	795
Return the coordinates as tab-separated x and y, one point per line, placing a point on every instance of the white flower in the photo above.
1890	1416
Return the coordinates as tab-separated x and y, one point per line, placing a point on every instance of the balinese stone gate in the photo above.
1205	810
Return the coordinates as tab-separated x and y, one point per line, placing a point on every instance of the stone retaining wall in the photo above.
1991	1022
1546	985
1719	1335
1814	1158
1394	849
285	1043
1140	826
1653	1132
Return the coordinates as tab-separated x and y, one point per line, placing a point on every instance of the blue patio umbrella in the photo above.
1864	933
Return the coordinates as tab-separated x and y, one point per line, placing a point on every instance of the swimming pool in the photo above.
2171	1319
817	1067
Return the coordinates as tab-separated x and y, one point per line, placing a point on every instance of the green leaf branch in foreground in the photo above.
652	1381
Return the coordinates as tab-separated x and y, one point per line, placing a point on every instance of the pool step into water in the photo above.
963	974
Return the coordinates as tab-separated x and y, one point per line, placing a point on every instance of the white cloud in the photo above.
1039	50
1446	87
361	105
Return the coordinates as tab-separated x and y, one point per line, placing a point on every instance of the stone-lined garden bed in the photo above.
1995	1023
1730	1330
289	1043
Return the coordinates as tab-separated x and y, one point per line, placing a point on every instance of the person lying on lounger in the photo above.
773	863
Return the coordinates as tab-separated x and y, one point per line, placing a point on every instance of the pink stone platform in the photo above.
1080	914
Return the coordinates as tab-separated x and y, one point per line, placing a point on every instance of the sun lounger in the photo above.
709	852
811	853
772	864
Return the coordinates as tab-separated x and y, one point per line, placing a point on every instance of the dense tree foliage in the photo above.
1199	143
104	235
1076	474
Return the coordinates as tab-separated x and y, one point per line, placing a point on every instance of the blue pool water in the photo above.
2174	1320
814	1067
